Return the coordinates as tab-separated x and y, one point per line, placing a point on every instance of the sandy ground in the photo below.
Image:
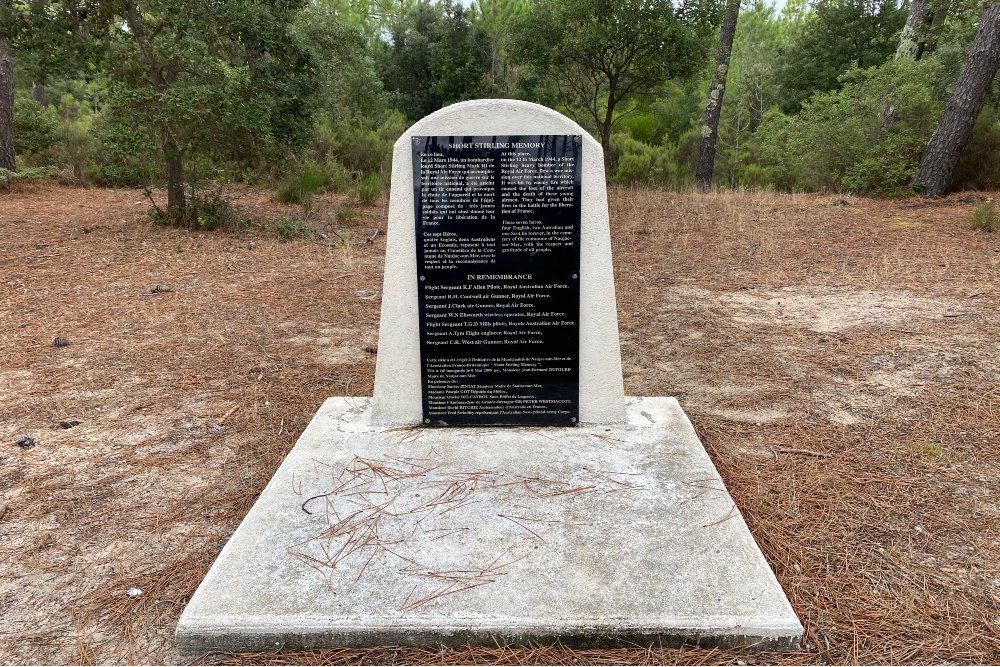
840	358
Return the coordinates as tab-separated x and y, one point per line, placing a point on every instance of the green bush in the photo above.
979	168
76	146
866	137
210	211
289	229
669	115
60	134
360	145
679	174
36	127
125	157
639	162
642	127
204	211
634	167
347	213
24	175
369	189
300	185
754	177
633	159
984	217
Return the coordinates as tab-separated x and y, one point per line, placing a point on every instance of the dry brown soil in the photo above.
840	358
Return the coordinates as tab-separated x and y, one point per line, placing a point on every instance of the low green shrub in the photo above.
634	167
632	159
210	211
204	211
289	229
360	145
312	177
338	176
36	127
636	162
979	168
76	146
369	189
126	156
24	175
300	185
754	177
985	218
347	213
668	115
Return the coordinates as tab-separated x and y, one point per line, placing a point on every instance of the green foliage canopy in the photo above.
136	90
866	137
338	51
837	35
432	58
53	39
595	54
220	76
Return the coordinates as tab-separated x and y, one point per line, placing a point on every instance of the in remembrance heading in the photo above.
498	276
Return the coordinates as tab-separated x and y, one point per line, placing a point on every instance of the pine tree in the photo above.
948	141
6	110
912	37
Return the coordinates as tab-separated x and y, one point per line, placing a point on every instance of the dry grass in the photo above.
837	355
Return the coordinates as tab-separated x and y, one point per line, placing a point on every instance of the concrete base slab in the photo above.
590	535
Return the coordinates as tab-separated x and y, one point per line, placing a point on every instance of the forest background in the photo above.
308	96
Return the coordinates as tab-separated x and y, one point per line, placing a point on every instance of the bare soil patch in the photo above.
838	356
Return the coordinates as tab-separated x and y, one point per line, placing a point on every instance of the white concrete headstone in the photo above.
397	396
658	561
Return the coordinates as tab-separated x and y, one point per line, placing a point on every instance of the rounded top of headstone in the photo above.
500	117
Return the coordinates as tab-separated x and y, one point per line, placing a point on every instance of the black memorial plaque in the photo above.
498	265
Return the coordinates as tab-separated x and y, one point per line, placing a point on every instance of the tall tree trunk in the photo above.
911	40
606	125
713	108
945	147
6	110
493	48
176	203
939	12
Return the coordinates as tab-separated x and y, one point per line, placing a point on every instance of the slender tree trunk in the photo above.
493	49
38	92
6	110
914	41
606	126
176	202
911	40
938	14
713	108
937	166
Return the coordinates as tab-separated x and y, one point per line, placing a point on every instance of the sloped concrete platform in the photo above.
590	535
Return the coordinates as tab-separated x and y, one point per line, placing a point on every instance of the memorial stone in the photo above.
588	519
498	261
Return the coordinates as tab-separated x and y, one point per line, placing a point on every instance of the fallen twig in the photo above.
568	491
513	520
792	450
222	420
309	500
729	515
